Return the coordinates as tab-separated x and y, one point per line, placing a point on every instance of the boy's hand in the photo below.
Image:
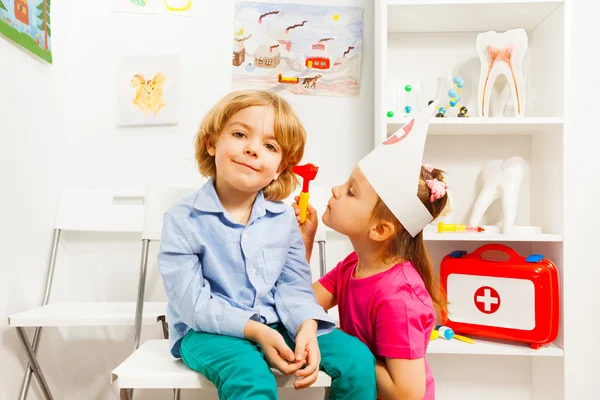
277	352
309	227
307	350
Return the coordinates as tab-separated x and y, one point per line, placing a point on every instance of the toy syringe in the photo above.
308	173
442	227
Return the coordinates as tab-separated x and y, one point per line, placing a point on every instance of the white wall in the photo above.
74	141
582	265
71	140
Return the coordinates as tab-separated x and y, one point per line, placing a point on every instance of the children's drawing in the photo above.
148	90
27	23
303	49
149	94
167	7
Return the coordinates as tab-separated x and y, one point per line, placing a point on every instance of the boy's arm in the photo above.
294	298
400	379
187	290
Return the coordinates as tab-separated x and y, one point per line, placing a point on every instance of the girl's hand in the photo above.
309	227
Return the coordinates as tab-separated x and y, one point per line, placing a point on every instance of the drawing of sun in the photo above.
336	17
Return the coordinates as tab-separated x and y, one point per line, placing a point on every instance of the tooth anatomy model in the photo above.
501	54
502	179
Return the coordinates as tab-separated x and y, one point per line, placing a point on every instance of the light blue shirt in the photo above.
218	274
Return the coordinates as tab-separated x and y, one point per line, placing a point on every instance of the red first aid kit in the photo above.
515	299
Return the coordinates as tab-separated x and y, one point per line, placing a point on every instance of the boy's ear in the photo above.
381	231
282	167
210	144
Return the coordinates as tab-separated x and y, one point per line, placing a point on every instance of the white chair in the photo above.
92	211
151	366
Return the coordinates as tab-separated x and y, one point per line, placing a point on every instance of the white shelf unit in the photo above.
421	39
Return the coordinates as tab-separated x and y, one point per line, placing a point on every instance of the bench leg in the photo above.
165	327
34	364
38	330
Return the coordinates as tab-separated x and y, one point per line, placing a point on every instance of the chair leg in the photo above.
38	330
34	363
139	308
140	297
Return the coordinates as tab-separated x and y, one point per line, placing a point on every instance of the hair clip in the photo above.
437	188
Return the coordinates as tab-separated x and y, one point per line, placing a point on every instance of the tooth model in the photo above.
502	179
501	54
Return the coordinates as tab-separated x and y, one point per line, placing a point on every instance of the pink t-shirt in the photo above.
391	312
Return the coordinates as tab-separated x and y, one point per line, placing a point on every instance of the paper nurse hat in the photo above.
393	170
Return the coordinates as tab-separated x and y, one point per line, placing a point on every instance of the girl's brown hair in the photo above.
413	249
289	132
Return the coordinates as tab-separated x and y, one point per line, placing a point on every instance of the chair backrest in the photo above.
100	210
159	199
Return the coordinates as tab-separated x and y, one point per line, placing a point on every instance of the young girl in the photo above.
386	290
234	269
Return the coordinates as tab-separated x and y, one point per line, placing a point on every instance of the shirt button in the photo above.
244	235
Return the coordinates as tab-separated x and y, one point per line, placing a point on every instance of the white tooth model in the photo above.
502	179
501	54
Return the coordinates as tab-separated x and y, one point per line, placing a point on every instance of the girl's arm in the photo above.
400	379
324	297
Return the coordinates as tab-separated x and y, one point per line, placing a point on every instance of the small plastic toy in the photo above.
448	334
454	95
308	172
443	227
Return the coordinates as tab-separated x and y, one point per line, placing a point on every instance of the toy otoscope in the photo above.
442	227
308	173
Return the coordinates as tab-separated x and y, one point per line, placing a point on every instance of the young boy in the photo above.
234	268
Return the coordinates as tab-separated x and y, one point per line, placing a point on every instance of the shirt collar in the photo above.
208	201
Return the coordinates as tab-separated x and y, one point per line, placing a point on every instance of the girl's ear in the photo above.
381	231
210	144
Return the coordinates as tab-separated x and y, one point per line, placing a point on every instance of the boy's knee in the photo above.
364	361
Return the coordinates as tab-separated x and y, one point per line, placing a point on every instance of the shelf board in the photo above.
467	15
431	235
484	126
489	347
490	237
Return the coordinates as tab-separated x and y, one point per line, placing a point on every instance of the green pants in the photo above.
237	367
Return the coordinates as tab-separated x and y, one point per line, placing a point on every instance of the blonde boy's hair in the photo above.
289	132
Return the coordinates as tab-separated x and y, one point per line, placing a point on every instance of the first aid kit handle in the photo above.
513	255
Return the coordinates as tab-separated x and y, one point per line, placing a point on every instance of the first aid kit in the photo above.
515	299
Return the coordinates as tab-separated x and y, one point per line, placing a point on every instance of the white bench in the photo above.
151	366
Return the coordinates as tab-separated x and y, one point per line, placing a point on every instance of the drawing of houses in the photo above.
239	52
318	58
267	56
22	11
